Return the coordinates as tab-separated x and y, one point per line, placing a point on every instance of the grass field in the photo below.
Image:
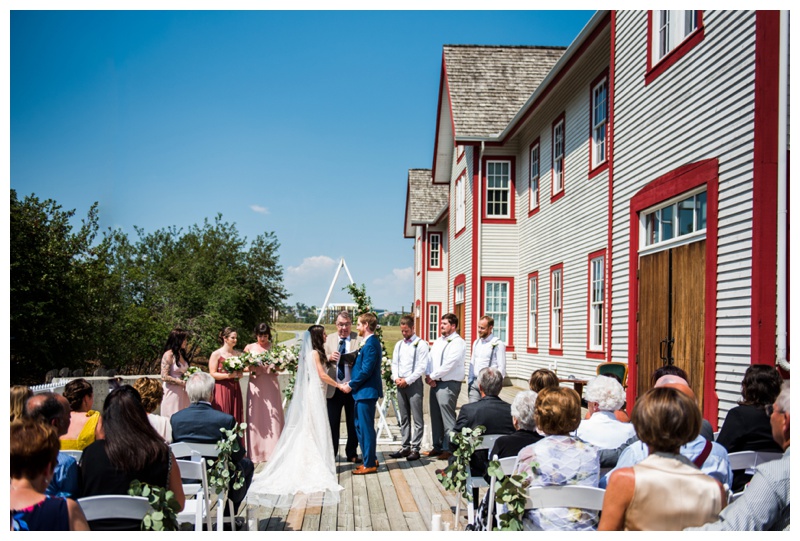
390	334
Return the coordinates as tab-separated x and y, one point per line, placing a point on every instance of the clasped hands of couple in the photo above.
344	387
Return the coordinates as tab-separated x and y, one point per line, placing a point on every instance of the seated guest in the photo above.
665	491
559	459
542	379
671	370
620	414
522	417
201	423
764	506
129	449
709	456
746	426
83	419
19	395
53	410
34	446
151	392
602	429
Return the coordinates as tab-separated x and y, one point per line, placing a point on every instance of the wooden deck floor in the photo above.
402	496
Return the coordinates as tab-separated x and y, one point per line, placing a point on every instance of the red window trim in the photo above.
532	349
556	351
596	353
510	281
556	196
678	52
441	251
428	319
512	219
462	154
461	178
595	170
532	211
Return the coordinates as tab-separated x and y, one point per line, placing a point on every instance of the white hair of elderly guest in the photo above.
522	410
606	392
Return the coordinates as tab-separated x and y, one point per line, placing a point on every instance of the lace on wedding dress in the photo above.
303	461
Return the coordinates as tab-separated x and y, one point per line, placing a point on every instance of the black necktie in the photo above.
342	351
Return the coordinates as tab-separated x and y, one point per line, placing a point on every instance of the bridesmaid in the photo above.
227	392
264	407
173	366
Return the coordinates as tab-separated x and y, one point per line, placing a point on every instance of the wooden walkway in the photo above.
402	496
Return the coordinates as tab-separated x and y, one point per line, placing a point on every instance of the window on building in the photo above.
461	204
558	157
556	308
533	187
599	122
496	303
596	302
671	28
498	189
460	294
419	254
433	321
533	310
677	218
435	250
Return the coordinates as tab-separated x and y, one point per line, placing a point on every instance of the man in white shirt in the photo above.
409	362
488	350
445	374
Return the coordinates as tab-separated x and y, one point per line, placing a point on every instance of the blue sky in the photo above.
302	123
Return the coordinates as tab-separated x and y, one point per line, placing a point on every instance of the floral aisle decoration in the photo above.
164	516
454	477
222	469
511	491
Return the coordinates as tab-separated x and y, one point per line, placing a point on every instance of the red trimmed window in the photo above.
671	34
599	123
557	309
434	314
498	200
435	251
498	303
557	171
596	306
533	182
419	254
533	312
461	203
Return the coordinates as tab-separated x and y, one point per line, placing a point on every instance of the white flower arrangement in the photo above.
233	364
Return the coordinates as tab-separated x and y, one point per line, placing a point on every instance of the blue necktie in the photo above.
342	351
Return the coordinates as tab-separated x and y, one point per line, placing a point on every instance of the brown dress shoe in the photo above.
432	453
402	453
414	455
445	455
361	470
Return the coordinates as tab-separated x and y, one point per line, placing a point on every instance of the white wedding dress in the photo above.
303	460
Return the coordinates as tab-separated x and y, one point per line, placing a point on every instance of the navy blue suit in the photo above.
367	388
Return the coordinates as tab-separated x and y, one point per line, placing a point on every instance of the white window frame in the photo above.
596	302
492	177
557	308
697	233
460	294
435	251
670	29
599	125
535	177
501	318
461	204
533	311
558	157
433	321
419	253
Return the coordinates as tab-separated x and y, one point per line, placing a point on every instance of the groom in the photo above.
367	387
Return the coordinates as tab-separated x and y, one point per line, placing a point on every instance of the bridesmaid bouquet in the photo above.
189	371
233	364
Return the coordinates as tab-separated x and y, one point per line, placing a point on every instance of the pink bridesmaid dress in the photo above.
264	414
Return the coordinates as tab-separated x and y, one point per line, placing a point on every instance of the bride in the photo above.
303	460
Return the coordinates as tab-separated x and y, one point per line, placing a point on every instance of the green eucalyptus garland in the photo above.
164	516
223	469
511	491
454	477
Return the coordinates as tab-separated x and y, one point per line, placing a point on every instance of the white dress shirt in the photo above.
489	351
410	359
604	430
349	345
447	358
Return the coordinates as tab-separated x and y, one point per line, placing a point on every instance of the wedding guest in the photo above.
173	367
602	429
445	373
53	410
409	360
746	427
559	459
264	401
340	366
620	414
764	506
522	411
543	379
671	370
19	395
130	450
152	393
83	419
34	448
665	491
487	350
228	392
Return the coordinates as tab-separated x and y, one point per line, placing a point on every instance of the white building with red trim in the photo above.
621	200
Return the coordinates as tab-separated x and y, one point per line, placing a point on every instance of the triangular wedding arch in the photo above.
339	268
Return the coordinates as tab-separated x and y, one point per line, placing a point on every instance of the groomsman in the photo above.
409	362
337	346
488	350
445	374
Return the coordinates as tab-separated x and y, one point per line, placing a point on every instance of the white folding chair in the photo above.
507	465
74	453
577	496
114	506
476	482
195	510
747	461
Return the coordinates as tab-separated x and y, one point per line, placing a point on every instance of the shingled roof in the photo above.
489	84
425	201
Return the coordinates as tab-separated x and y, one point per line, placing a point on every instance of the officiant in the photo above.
337	347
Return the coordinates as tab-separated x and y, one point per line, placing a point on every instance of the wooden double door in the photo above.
671	315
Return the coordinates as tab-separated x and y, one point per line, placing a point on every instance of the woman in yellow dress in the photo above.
83	419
